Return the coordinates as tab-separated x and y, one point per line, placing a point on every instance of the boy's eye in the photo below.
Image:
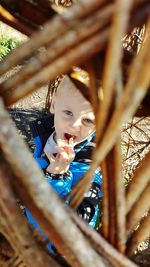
68	113
88	122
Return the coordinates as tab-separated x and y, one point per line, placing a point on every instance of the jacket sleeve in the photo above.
89	208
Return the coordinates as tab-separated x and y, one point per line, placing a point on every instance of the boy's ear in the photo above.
52	107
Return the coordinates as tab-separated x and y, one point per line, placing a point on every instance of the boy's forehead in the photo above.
66	83
68	92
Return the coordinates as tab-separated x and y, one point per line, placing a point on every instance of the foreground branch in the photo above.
139	181
139	235
18	231
102	246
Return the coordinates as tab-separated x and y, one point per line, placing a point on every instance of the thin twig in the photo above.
116	199
138	150
139	235
112	64
139	181
129	140
142	131
105	201
138	210
130	124
9	19
119	200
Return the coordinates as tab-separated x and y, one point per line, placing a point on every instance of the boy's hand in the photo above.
65	155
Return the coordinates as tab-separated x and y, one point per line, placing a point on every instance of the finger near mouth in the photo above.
68	136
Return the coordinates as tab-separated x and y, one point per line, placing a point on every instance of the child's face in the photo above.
73	114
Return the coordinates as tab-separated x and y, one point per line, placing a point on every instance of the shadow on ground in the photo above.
23	118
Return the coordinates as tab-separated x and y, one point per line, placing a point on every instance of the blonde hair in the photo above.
81	83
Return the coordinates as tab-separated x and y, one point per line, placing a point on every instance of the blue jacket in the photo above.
88	209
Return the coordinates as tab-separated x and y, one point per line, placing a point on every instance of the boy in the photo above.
64	143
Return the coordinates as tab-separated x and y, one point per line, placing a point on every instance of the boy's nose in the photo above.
76	125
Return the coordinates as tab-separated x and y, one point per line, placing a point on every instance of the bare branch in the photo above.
139	182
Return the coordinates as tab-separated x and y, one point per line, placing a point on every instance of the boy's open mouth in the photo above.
68	136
